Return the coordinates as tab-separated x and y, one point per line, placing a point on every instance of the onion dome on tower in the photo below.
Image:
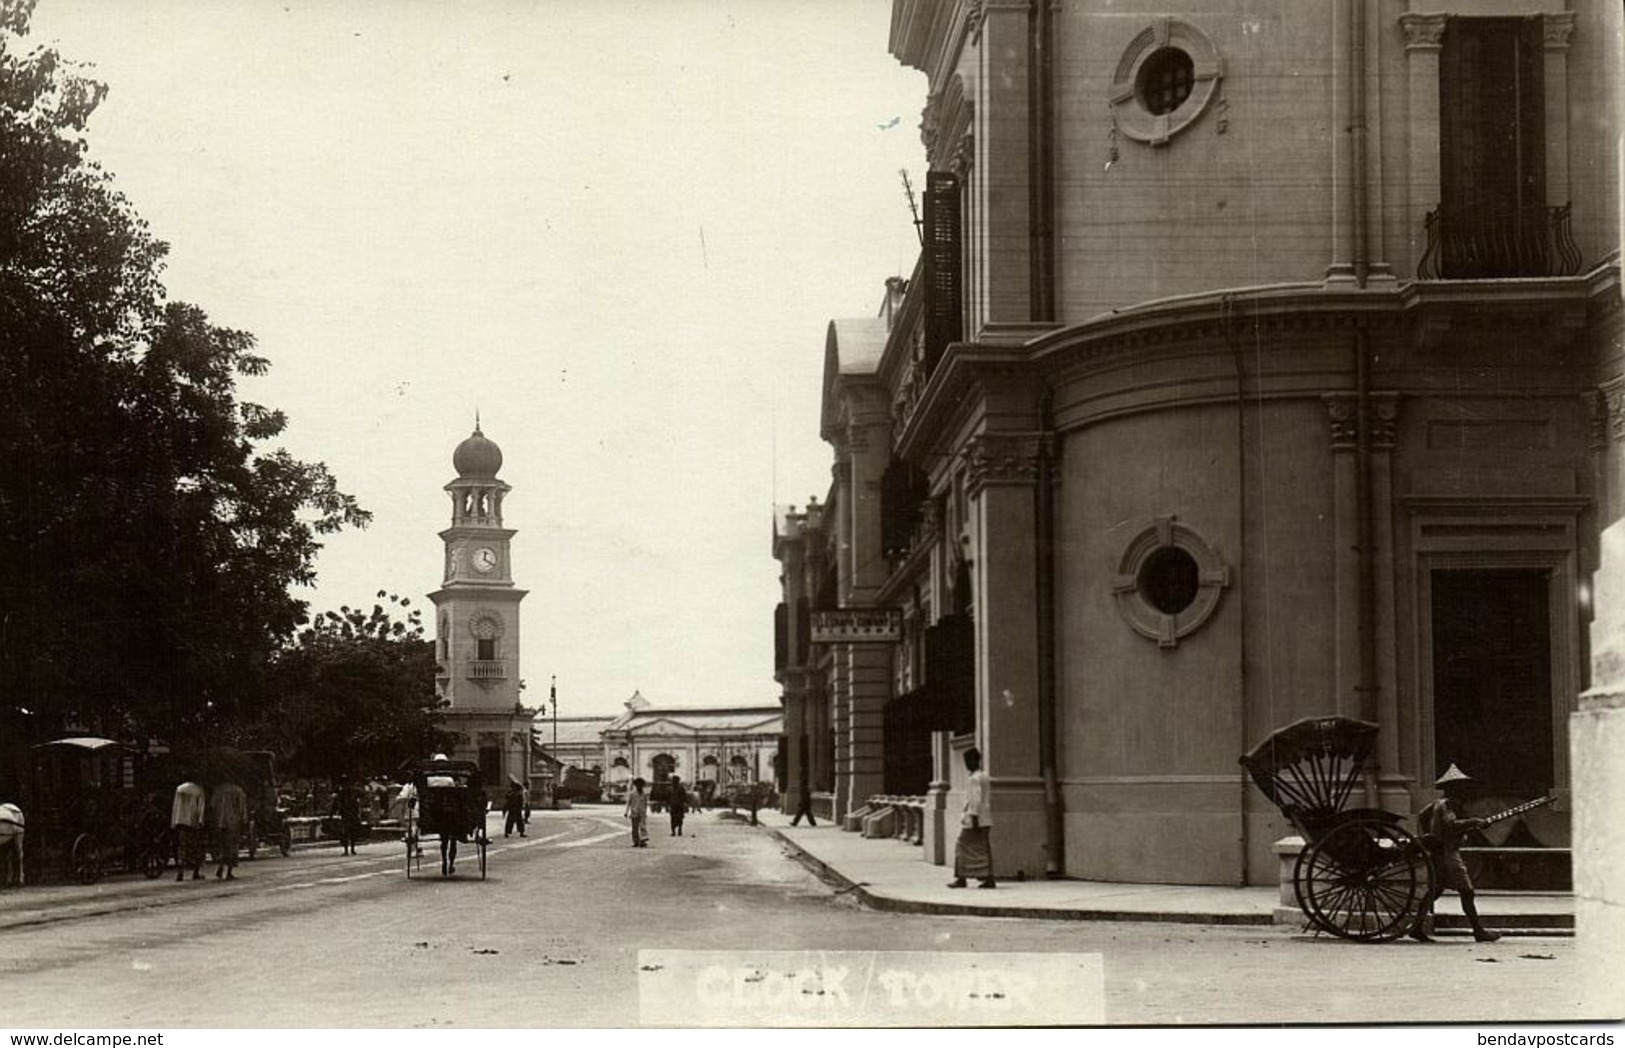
477	456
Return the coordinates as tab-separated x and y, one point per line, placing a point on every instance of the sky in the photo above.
617	230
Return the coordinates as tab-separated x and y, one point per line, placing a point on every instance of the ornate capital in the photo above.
964	157
1000	459
1423	32
1613	395
1556	30
974	17
930	118
1343	412
842	471
1384	420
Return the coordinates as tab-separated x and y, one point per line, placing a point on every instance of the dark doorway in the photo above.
1492	681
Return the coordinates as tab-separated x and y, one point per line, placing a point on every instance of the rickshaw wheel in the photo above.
153	862
86	859
1362	880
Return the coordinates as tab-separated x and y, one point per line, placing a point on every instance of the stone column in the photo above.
1342	410
1001	472
1001	188
869	672
1597	748
841	674
1424	37
1556	31
795	671
1393	783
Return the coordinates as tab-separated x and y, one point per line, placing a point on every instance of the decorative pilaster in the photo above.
1424	39
1556	30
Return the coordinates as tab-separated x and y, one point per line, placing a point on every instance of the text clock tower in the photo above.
477	621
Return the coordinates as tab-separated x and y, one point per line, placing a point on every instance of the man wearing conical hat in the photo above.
1443	828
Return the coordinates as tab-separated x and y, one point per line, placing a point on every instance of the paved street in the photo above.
551	938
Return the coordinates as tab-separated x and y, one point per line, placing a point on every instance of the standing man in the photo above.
513	808
186	818
973	853
1442	829
804	794
678	804
637	809
347	808
228	814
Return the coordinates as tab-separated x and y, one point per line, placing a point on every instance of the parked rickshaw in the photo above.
267	817
90	813
1361	875
448	802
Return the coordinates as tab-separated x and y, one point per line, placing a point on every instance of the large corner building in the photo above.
1263	361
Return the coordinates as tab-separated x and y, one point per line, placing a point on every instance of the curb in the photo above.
875	900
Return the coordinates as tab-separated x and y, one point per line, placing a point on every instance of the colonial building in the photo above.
477	621
1263	361
706	746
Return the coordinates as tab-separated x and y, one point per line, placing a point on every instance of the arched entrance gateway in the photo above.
662	766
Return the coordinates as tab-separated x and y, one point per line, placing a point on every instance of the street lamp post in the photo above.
558	774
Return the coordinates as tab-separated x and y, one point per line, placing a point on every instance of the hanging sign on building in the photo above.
857	626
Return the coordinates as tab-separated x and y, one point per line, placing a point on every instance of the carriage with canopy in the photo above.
445	799
1361	875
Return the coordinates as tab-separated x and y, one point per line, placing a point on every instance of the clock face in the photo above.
485	559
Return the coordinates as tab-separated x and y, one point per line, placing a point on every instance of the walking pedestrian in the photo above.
677	804
973	853
187	816
637	809
228	814
514	808
804	801
1442	830
347	808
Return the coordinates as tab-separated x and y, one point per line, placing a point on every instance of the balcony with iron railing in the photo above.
487	669
1486	243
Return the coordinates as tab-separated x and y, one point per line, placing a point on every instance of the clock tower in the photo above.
477	621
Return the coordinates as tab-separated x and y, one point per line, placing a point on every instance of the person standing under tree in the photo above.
973	853
637	809
347	808
1442	829
677	803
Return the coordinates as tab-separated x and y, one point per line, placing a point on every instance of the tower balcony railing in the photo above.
487	669
1469	242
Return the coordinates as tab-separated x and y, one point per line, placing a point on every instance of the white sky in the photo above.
617	229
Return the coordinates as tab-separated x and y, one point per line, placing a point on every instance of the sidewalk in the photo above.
889	874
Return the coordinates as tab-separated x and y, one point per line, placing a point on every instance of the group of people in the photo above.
637	809
201	818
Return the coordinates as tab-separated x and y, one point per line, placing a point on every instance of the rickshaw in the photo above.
1361	875
86	813
267	818
448	802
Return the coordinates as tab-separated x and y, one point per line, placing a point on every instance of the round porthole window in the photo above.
1168	582
1166	78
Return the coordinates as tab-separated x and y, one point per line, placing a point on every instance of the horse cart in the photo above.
447	801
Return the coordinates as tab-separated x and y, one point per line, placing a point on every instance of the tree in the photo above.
148	537
355	694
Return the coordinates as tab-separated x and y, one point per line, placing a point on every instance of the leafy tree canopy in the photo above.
355	694
148	533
